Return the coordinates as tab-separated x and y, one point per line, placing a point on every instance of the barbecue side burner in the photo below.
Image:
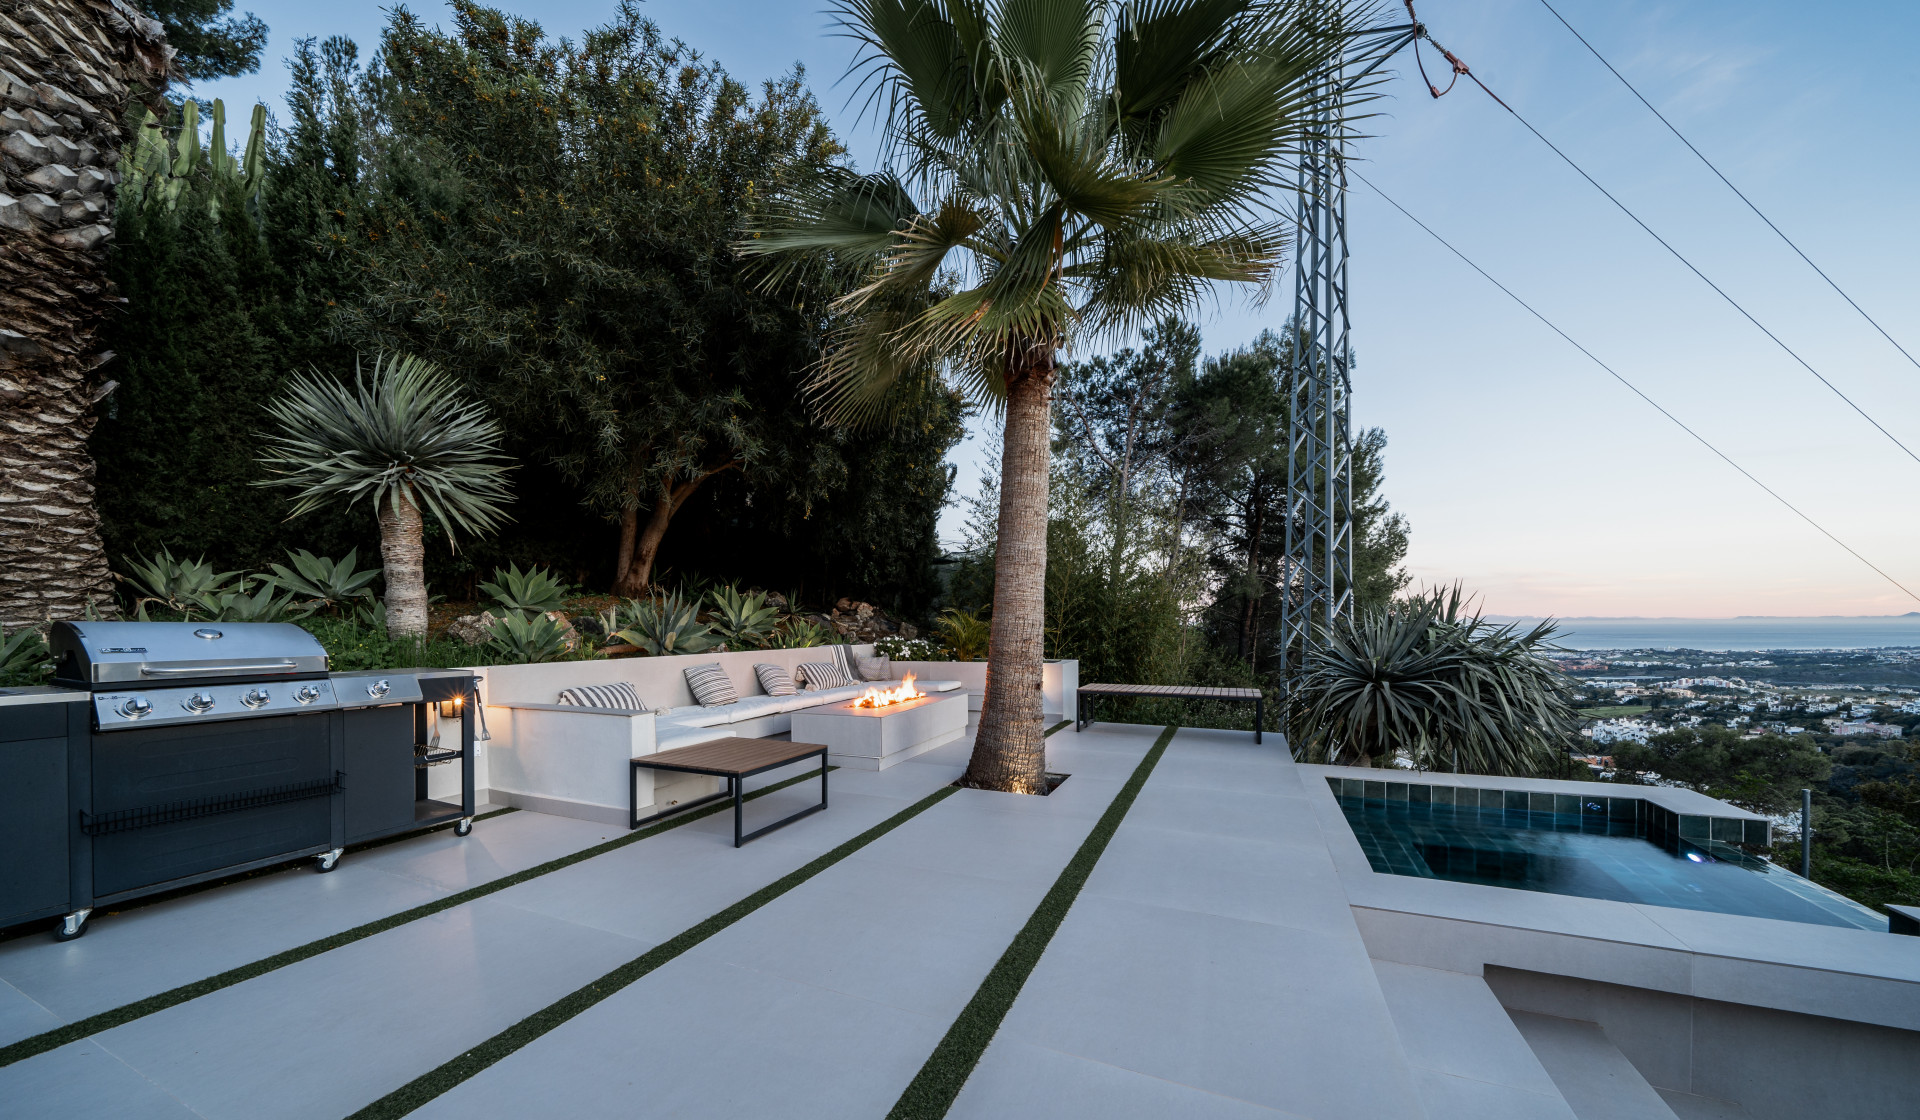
217	748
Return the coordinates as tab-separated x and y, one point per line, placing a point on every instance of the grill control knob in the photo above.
135	707
256	698
198	702
379	688
306	694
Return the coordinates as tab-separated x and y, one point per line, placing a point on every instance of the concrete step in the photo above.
1469	1061
1593	1076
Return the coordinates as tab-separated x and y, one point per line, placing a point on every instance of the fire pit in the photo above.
884	726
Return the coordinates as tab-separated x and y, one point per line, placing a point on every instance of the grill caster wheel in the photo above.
327	861
73	925
464	828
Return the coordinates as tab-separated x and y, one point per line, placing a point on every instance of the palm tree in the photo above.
404	437
1426	678
1064	171
79	62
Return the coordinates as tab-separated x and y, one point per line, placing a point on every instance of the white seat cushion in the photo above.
699	717
753	707
937	686
672	737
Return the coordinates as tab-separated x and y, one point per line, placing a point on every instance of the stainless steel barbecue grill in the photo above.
216	748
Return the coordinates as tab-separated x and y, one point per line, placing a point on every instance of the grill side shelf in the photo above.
147	816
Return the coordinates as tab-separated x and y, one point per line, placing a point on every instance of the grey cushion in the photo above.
872	668
710	684
823	675
775	680
619	695
843	661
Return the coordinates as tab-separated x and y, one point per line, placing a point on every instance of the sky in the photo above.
1526	472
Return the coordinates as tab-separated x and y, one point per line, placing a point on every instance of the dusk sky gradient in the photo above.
1525	471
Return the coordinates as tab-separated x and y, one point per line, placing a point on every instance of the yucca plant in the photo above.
533	591
324	583
177	584
1066	171
404	437
24	658
1428	679
262	605
965	634
742	621
526	638
666	624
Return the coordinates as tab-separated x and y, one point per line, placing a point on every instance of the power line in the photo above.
1736	190
1461	69
1724	457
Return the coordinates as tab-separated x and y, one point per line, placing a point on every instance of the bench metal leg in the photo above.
1259	717
633	802
740	838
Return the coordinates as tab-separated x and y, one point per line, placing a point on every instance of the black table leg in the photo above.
737	786
1259	717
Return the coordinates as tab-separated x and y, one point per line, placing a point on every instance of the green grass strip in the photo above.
934	1089
416	1093
140	1009
1057	727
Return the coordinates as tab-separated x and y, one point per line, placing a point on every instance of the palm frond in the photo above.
405	428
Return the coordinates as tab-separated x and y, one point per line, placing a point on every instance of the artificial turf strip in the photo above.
416	1093
140	1009
934	1089
1057	726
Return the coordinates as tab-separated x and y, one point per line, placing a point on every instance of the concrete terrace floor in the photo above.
1211	967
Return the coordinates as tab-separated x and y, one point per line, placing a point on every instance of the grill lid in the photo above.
92	654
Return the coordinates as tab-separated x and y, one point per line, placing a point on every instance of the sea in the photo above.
1748	632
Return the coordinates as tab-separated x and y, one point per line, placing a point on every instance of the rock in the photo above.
843	605
473	629
776	600
589	626
909	631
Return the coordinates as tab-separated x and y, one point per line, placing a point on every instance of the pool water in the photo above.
1575	854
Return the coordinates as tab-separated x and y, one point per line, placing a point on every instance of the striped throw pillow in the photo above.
823	675
775	679
843	661
710	684
620	697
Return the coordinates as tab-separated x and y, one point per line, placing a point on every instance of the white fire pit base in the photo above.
876	738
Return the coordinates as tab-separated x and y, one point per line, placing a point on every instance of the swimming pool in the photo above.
1592	855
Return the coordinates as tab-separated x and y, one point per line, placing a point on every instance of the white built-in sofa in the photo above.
574	761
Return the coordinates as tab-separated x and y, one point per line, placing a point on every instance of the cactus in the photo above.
152	164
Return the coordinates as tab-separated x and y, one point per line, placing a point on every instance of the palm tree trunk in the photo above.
402	553
1010	751
69	65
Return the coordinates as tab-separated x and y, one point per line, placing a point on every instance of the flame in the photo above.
880	698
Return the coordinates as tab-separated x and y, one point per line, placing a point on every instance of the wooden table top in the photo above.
1186	692
735	755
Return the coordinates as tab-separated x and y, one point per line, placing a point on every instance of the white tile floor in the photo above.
1211	968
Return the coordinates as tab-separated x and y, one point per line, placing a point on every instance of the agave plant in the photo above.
324	583
666	624
24	658
1428	679
405	438
527	638
177	584
533	591
239	606
799	633
742	621
965	634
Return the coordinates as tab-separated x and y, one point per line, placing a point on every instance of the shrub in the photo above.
964	633
177	585
24	658
526	638
910	649
798	633
742	621
326	584
666	624
533	591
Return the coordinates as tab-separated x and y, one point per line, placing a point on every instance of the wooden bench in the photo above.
1082	715
735	760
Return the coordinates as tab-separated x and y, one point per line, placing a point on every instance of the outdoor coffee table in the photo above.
876	738
736	760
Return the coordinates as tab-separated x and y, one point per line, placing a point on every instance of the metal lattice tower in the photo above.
1316	572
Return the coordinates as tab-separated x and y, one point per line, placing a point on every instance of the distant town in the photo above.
1831	695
